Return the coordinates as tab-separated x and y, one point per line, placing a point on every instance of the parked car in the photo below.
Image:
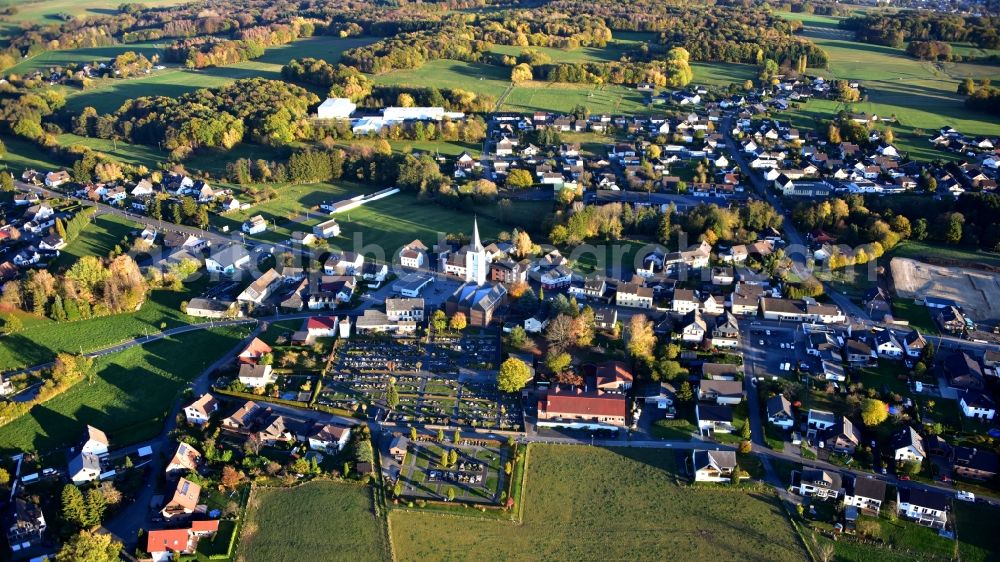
965	496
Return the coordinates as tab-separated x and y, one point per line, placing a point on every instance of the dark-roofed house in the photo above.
865	493
578	409
714	419
822	484
721	391
721	371
970	462
908	445
978	405
605	318
713	466
924	507
843	437
779	412
25	525
963	371
914	344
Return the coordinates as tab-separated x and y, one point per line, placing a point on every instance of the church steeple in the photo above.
476	244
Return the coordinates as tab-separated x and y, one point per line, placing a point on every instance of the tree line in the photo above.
248	44
894	29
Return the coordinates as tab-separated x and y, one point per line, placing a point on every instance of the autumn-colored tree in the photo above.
231	478
640	336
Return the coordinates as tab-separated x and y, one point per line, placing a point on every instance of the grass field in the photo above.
920	94
98	239
608	504
42	338
317	521
128	396
45	11
50	59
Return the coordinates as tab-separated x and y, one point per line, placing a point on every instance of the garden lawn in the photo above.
316	521
584	503
128	396
98	239
928	251
42	338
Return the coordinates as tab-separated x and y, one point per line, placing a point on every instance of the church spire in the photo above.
476	244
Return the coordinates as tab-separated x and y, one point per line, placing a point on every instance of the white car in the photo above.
965	496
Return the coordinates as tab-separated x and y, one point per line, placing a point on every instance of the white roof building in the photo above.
336	108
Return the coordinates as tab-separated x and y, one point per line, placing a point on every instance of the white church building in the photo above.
469	263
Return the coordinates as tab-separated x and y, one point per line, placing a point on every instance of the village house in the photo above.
164	545
397	309
256	376
199	411
922	506
721	392
779	412
228	260
978	405
398	447
211	308
577	409
973	463
255	225
908	445
612	376
95	442
693	327
865	493
184	461
328	438
821	484
260	289
714	419
243	418
253	352
26	525
713	466
413	255
184	501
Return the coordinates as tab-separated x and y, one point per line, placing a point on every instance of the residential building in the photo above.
253	352
327	229
714	419
164	545
684	301
721	392
329	438
243	418
212	308
184	501
413	255
713	466
255	225
605	318
321	327
199	411
228	260
693	327
963	371
977	404
95	442
25	526
843	437
578	409
726	333
613	376
344	264
821	484
908	445
84	467
779	412
922	506
634	296
820	420
397	309
256	376
184	461
865	493
973	463
261	288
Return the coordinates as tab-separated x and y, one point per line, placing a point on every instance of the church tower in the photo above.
475	258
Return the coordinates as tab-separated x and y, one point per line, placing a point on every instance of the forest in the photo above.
895	29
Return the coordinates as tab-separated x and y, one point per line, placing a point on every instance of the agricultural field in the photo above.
978	539
315	521
128	395
579	504
921	95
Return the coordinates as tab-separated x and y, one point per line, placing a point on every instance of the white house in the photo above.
327	229
975	404
255	225
713	466
84	467
95	442
908	446
227	260
925	507
199	411
821	420
779	412
329	438
256	376
820	483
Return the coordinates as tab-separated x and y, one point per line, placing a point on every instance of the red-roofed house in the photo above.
201	409
613	375
253	352
164	543
581	410
322	327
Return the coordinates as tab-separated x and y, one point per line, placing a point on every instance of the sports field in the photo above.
128	396
318	521
587	503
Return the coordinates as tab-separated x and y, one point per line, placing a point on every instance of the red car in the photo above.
904	477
